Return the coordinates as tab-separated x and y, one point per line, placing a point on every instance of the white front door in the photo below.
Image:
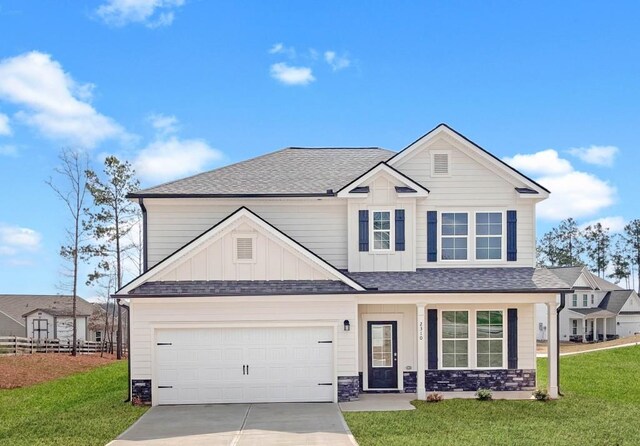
241	365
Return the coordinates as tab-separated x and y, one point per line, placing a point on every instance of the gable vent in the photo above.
244	248
441	164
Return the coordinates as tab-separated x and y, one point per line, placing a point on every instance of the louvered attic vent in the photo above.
244	249
441	164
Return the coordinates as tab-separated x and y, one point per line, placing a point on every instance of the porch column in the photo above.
595	329
604	329
422	393
584	329
552	350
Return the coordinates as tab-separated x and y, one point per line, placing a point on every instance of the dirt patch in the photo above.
570	347
26	370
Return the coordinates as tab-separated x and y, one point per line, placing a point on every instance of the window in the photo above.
381	230
98	336
574	301
489	235
592	299
574	327
489	333
455	339
440	164
455	229
585	300
381	345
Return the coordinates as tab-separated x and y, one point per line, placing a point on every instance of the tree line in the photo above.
98	236
615	256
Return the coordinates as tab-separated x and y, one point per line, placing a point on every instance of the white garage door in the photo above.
242	365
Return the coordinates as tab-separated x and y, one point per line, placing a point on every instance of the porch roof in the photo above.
590	313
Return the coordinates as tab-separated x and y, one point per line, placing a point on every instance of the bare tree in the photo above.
71	189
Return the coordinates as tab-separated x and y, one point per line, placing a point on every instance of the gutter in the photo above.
558	310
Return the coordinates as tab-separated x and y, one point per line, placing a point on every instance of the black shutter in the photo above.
512	236
432	236
432	339
512	338
363	230
399	229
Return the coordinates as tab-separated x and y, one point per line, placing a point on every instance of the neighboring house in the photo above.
595	310
317	274
46	317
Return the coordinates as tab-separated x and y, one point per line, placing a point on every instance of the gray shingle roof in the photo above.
16	305
462	279
291	171
614	300
570	274
593	312
240	287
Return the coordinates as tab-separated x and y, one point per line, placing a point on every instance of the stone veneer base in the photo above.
410	382
141	391
348	388
472	380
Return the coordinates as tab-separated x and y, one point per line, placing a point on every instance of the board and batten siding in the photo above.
472	186
148	314
318	224
273	260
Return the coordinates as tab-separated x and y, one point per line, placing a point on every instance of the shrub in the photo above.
541	394
434	397
484	395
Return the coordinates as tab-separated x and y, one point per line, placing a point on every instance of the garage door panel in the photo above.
206	365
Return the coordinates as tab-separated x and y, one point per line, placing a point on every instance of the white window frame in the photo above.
503	245
593	298
253	236
392	227
473	338
574	327
585	300
574	300
440	152
441	339
440	235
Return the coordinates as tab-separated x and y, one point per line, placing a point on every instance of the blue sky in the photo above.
179	86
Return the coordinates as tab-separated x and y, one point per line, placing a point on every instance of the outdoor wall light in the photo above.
347	325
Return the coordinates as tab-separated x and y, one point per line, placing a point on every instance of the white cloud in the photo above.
52	102
615	224
151	13
280	48
597	155
290	75
5	128
8	150
573	193
546	162
16	239
336	62
164	124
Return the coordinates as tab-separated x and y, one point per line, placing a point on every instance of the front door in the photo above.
383	354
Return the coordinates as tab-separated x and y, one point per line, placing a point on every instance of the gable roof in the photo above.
532	185
614	300
411	186
227	222
17	305
294	171
571	274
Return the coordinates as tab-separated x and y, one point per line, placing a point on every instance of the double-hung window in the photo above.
455	232
381	230
455	339
489	339
574	326
574	300
489	235
585	300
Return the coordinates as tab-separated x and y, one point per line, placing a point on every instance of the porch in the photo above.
592	325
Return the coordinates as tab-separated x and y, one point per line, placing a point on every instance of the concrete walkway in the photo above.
280	424
376	402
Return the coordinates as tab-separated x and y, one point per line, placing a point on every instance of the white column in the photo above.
422	334
552	350
584	330
604	329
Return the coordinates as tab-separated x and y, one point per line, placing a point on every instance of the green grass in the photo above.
601	406
82	409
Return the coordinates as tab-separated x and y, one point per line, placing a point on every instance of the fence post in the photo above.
15	344
31	344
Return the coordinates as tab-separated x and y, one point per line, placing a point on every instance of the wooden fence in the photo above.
14	345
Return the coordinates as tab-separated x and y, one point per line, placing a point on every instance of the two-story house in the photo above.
595	310
314	274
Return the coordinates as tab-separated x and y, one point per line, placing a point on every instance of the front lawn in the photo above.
82	409
601	406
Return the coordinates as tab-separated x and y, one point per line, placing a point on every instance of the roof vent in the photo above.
244	249
440	163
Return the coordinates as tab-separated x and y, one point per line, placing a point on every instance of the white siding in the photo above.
64	328
318	224
273	260
473	185
382	197
333	310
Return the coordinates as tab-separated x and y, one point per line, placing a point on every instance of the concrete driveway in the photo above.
240	424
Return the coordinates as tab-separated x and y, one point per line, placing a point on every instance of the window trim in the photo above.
440	236
574	327
503	245
585	300
442	339
472	340
574	300
432	158
253	236
392	227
